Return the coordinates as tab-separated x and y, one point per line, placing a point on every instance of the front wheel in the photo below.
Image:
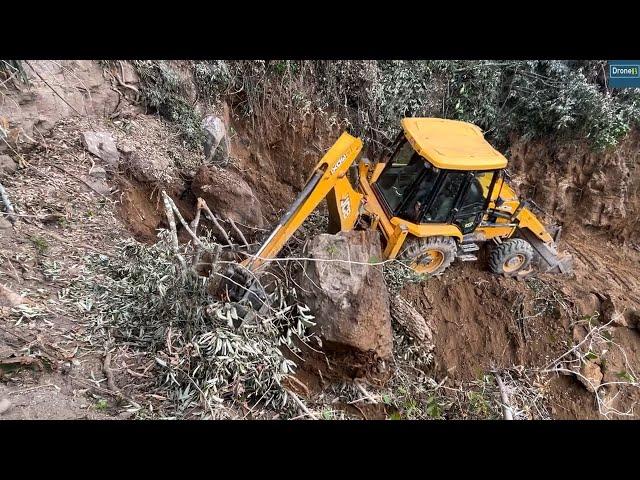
511	257
429	255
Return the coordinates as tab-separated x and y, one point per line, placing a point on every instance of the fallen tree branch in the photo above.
364	392
168	201
172	227
302	406
239	232
506	409
22	360
106	368
202	204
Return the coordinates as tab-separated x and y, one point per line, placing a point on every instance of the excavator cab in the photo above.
411	188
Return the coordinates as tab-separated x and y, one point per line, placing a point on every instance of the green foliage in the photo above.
434	410
204	355
332	250
535	99
567	99
42	246
211	78
479	405
397	275
164	91
624	375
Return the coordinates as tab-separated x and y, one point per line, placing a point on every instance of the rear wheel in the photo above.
429	255
511	257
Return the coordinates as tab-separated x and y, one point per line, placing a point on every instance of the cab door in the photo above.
471	207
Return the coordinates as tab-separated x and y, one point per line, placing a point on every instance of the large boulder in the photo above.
613	309
349	298
227	195
154	169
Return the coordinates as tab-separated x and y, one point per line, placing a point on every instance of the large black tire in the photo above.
511	257
429	255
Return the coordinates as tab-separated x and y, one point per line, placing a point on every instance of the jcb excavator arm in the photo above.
328	180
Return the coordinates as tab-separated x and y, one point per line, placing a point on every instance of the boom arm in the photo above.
327	180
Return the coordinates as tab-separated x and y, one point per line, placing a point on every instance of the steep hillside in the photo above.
109	328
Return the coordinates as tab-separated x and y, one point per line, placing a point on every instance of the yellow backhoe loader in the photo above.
439	194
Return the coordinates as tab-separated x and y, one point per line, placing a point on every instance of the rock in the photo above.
633	318
4	405
9	298
98	172
591	372
4	223
350	301
613	311
216	141
227	195
7	165
414	323
101	144
588	304
147	169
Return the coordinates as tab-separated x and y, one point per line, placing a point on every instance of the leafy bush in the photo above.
536	99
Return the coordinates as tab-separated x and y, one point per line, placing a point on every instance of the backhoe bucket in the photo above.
549	259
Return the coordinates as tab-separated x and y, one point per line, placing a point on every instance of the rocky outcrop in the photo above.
350	300
576	184
55	90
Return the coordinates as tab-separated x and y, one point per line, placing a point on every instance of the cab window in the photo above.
404	174
444	201
477	191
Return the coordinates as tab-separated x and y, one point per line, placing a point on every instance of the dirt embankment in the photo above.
578	186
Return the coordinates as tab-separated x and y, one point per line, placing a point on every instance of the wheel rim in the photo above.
514	263
428	262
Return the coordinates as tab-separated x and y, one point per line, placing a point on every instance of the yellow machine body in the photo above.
445	144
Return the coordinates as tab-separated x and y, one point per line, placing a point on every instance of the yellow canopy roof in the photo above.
451	144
